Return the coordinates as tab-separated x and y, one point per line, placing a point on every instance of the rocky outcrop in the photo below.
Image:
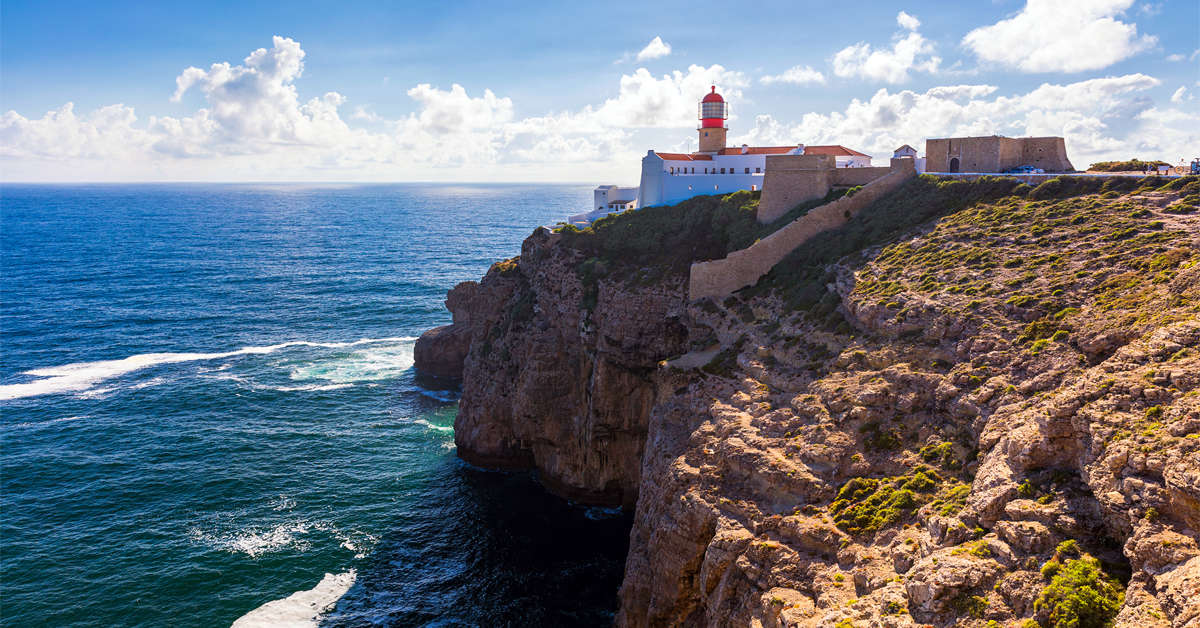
982	408
566	389
441	351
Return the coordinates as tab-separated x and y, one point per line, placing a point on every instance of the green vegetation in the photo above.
971	605
1068	548
668	239
1080	595
801	277
866	504
1133	165
876	438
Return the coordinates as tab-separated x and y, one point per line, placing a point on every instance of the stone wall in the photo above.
996	154
791	180
852	177
719	278
1047	153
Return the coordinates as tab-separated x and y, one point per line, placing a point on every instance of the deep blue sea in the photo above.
207	403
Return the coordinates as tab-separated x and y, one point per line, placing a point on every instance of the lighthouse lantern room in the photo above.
714	111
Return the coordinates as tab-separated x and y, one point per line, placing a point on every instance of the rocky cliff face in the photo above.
992	418
554	385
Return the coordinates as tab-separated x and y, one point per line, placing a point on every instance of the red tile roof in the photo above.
838	150
683	157
757	150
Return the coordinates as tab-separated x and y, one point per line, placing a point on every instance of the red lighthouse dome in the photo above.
713	111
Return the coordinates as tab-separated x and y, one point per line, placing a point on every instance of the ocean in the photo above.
207	404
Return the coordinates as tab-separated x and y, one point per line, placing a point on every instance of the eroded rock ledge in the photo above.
919	441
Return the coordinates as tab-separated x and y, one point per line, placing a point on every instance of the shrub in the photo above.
972	605
1081	596
1068	547
1133	165
1060	335
1026	490
1039	346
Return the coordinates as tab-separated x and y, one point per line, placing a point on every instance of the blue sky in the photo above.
357	91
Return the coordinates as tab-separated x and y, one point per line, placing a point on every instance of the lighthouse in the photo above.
713	113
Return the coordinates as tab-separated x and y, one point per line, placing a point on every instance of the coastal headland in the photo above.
970	403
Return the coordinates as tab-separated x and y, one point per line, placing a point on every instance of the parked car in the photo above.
1026	170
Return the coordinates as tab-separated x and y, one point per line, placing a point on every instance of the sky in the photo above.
570	92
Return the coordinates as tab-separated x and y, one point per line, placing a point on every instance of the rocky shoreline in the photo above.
957	420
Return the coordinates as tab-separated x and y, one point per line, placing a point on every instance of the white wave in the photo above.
311	387
302	609
255	542
432	426
441	395
41	423
84	375
371	364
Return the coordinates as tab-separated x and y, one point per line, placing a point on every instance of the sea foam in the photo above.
302	609
83	376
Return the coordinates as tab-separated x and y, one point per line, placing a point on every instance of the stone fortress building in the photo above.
996	154
790	175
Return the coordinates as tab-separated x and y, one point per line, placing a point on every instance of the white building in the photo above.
908	152
714	169
672	177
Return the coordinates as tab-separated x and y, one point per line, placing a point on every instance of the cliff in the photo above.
974	402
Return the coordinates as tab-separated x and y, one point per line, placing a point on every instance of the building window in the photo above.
693	171
722	171
757	170
747	171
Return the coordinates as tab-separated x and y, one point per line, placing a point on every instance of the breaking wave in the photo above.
82	377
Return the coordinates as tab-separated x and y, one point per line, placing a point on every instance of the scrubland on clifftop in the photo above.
976	404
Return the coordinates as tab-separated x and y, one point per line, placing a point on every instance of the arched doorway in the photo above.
954	164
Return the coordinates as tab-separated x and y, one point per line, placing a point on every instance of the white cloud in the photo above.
361	113
907	21
670	102
254	126
1177	97
801	75
1060	36
1095	117
1149	10
1176	57
455	112
890	65
656	49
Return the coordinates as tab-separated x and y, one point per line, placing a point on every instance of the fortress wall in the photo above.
1047	153
720	278
936	152
859	176
997	154
791	180
1010	155
979	154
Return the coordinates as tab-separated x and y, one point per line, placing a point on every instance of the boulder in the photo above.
442	350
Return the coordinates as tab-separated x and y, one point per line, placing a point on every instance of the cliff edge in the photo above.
974	404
